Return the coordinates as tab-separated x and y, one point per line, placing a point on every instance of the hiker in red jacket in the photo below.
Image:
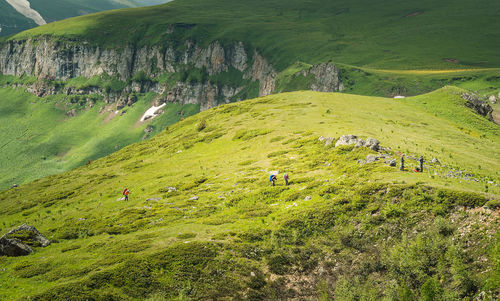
285	177
125	193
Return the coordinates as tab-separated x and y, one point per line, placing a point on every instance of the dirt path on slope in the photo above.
23	7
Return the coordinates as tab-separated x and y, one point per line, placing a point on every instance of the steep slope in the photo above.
203	222
212	52
41	137
31	13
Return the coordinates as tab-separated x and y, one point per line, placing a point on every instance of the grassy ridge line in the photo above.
242	225
360	33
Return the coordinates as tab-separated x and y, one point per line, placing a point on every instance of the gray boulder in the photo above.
371	158
18	242
391	162
435	161
347	140
31	233
329	141
372	144
360	143
13	247
493	99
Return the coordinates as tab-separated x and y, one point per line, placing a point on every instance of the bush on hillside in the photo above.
201	125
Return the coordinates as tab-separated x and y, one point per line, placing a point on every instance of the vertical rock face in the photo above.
264	73
46	58
326	78
142	68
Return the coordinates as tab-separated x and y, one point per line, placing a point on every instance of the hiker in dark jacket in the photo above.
402	162
273	179
421	160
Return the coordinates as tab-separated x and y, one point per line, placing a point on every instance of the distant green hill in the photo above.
204	223
390	35
11	21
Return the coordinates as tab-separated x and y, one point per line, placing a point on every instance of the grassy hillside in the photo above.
39	138
340	230
52	10
395	35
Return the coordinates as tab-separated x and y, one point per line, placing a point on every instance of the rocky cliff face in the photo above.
326	77
480	106
50	60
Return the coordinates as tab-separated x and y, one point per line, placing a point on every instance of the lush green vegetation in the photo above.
340	230
53	10
39	138
395	35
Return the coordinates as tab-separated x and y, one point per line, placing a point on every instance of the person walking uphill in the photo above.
125	193
421	161
402	162
273	179
285	177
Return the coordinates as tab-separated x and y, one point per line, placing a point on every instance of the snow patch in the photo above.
152	112
399	96
24	8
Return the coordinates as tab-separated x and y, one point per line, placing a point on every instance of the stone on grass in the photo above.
371	158
372	144
18	242
391	162
346	140
13	248
329	141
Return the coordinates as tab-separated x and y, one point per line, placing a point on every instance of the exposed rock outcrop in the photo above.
13	248
206	94
346	140
19	241
481	107
326	77
370	143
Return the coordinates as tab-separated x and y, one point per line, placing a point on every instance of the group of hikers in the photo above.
416	169
273	178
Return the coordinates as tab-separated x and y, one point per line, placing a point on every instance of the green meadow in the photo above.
39	138
204	223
